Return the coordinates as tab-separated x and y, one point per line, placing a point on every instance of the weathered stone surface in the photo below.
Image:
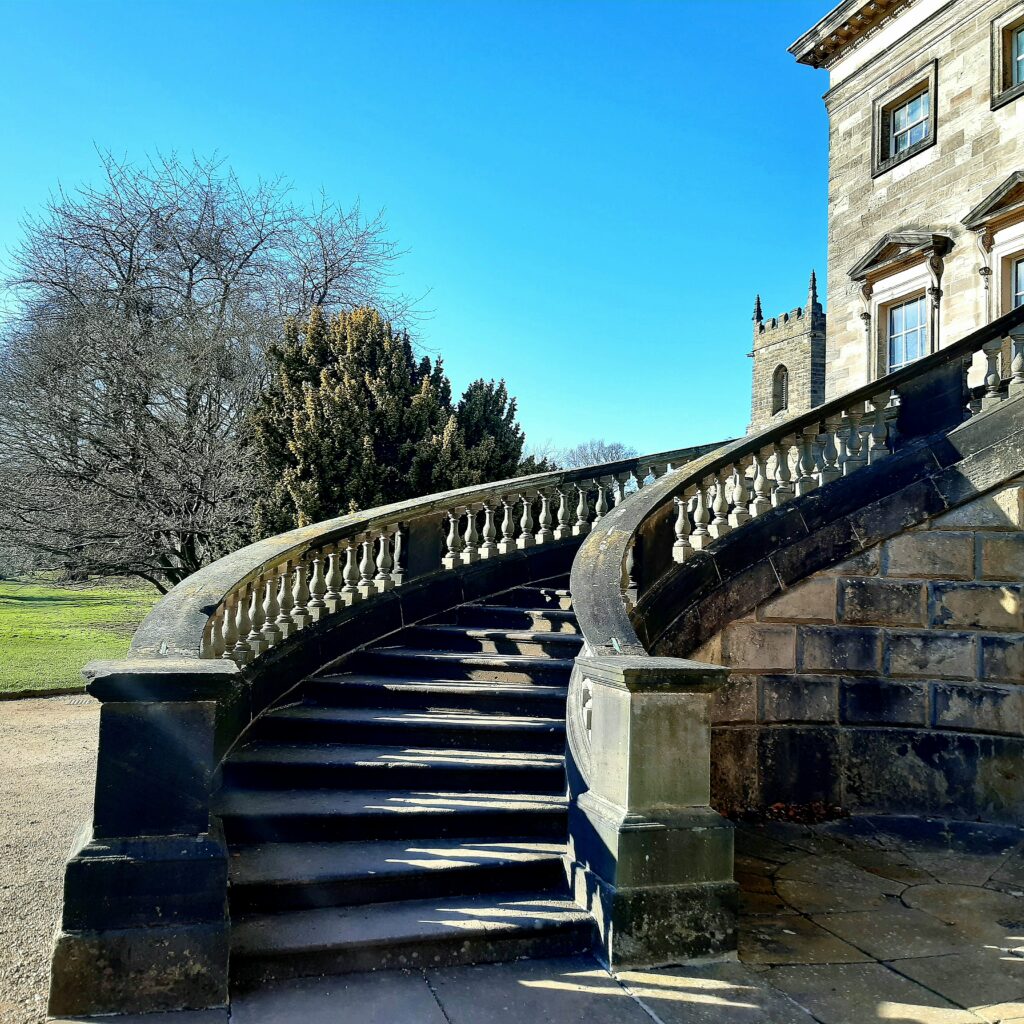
736	701
931	655
881	602
975	708
798	699
883	702
813	600
978	978
1002	556
989	606
1000	510
792	939
930	554
838	649
757	646
894	931
864	994
864	563
1002	658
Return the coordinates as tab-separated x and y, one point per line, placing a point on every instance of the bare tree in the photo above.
132	351
592	453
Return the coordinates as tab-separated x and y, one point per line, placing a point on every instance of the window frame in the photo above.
883	159
1015	289
917	298
1007	68
780	389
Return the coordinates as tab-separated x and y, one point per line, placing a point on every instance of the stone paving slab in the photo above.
792	939
895	932
976	979
573	991
864	994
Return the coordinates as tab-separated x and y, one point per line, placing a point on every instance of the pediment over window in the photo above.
898	250
998	209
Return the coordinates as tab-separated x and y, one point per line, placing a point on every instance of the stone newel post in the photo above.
648	856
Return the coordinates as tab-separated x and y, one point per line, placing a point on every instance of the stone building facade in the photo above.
789	361
926	182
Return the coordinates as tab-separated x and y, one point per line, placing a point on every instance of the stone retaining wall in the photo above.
890	682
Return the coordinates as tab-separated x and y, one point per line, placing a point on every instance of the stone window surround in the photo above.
1007	248
1003	28
902	286
923	80
780	389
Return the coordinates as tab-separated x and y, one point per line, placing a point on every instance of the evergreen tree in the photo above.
352	419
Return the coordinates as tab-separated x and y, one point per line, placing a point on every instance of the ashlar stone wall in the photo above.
892	682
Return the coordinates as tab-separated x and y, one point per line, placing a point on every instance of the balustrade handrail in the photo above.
252	598
923	397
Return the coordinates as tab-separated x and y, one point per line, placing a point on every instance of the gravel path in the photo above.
47	764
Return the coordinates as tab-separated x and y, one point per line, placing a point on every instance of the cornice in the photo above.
843	28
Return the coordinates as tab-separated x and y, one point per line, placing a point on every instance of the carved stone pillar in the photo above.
648	857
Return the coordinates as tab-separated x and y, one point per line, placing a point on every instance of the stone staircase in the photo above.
411	808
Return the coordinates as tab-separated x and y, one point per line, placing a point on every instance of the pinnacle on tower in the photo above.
812	293
757	317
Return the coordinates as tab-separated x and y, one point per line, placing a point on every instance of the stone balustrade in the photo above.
375	553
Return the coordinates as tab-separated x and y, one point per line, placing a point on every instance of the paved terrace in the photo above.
912	922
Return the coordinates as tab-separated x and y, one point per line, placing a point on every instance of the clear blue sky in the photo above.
590	191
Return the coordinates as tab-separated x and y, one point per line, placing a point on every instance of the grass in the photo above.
48	632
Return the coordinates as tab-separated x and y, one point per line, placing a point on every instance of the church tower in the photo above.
789	361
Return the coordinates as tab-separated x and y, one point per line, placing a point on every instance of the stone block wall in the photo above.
891	682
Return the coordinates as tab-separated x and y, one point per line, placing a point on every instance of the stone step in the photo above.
391	692
497	616
534	597
498	668
275	815
477	730
293	876
435	932
358	766
480	640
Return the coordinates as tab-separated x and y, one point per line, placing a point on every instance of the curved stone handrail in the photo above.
638	544
245	603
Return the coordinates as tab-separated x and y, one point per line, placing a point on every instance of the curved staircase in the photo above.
410	808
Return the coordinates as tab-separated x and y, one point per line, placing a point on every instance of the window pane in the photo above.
1018	283
896	320
899	119
912	317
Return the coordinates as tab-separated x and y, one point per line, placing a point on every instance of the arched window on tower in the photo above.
780	390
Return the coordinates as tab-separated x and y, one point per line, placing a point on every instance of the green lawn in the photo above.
48	632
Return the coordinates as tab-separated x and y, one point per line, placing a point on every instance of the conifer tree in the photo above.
352	419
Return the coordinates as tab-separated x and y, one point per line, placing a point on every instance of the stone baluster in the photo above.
619	487
488	546
317	590
805	481
242	652
215	644
564	527
382	581
1017	361
471	538
285	602
507	544
367	566
993	393
740	513
257	619
544	531
301	614
271	609
830	470
700	538
854	443
526	538
973	406
632	576
230	629
350	592
453	557
333	598
762	501
719	525
582	524
601	502
398	572
681	549
879	430
783	489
